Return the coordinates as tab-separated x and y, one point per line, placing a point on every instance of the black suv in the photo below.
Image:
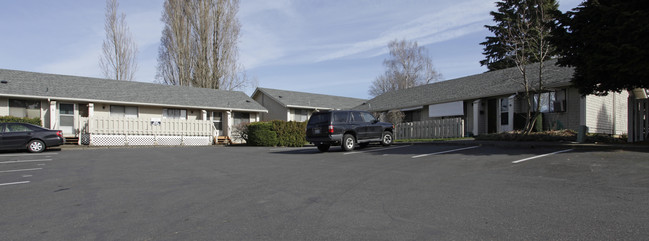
347	128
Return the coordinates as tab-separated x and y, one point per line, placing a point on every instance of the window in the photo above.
300	115
356	117
241	117
174	114
25	108
368	117
340	117
504	111
123	111
553	101
12	127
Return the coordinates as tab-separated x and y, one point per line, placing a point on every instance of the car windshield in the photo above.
319	118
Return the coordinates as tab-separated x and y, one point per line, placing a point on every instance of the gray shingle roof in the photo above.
490	84
310	100
63	87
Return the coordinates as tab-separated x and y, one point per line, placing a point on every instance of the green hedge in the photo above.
290	133
35	121
261	134
276	133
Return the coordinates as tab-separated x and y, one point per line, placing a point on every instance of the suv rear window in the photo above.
319	118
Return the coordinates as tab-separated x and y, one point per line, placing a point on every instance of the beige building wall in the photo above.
569	119
276	111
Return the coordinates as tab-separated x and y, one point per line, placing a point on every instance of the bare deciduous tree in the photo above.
408	66
527	38
199	45
118	60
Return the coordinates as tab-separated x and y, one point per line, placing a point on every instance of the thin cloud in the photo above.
447	24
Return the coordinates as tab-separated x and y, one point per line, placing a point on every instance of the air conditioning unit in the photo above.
560	106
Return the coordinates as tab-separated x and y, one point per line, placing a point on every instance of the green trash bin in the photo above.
581	134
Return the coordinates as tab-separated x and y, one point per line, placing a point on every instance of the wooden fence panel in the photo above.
431	129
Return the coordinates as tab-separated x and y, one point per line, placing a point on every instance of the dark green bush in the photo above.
290	133
35	121
276	133
261	134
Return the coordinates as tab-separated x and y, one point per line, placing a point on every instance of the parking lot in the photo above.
402	192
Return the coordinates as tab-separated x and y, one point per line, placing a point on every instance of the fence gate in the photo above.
638	120
431	129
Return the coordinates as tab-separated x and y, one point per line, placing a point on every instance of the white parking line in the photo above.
539	156
40	160
21	170
13	183
442	152
382	149
30	154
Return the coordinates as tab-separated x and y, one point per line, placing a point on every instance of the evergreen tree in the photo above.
605	40
500	50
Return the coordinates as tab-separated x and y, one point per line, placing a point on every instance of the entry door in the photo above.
492	116
66	119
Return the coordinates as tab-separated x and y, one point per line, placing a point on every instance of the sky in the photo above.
333	47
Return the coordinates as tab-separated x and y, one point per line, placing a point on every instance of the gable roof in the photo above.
294	99
22	84
489	84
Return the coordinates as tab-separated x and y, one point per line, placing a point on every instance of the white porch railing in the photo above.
129	131
139	126
431	129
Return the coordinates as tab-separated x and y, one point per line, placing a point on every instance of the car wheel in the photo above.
323	147
36	146
348	142
387	138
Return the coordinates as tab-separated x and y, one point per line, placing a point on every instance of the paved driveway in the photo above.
419	192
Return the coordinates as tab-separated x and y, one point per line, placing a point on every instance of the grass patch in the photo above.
552	136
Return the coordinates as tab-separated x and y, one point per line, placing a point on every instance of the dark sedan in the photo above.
34	138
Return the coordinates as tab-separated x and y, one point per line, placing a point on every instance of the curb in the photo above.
574	145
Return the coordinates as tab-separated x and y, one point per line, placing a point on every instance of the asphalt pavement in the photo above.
439	191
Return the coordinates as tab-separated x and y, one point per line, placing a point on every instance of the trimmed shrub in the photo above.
276	133
261	134
291	134
6	119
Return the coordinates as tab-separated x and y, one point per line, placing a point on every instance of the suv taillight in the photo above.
331	129
59	133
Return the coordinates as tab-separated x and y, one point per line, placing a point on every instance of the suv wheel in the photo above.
387	138
323	147
348	142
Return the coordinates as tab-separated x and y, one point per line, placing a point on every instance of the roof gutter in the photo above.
133	103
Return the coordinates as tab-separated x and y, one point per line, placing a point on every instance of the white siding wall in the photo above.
607	114
4	106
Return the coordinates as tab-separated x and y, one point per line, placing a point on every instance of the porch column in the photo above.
204	115
257	116
511	109
53	115
228	123
476	117
91	109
